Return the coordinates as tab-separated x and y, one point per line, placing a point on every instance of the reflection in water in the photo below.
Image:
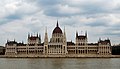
59	63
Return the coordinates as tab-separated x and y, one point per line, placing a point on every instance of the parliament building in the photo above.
57	46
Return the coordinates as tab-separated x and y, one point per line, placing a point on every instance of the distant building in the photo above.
2	50
58	45
116	50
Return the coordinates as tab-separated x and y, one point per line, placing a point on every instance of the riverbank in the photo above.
59	56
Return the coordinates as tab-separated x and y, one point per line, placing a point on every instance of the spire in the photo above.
64	29
14	39
86	33
28	34
46	30
37	34
108	38
46	37
40	38
76	34
31	35
7	40
99	39
81	32
64	36
22	42
57	24
64	33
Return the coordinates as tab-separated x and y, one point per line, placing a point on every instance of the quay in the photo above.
59	56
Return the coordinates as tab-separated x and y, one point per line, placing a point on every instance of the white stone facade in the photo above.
58	45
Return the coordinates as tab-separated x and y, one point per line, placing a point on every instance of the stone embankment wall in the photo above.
59	56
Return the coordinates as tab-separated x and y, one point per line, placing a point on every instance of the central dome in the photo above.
57	29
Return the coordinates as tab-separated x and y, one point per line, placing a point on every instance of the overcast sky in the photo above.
101	18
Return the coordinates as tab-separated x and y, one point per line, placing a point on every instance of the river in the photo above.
59	63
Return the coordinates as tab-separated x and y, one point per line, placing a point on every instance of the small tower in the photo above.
76	42
46	37
99	39
86	38
40	38
76	34
33	39
64	35
28	35
86	33
37	35
81	40
45	51
57	24
64	41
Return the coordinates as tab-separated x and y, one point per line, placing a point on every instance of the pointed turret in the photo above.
31	35
28	35
46	37
39	38
14	40
86	33
64	31
64	41
76	34
57	24
57	29
45	50
37	34
7	40
99	39
64	35
22	42
108	38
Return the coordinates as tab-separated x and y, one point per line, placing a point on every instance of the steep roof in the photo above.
57	29
81	37
104	41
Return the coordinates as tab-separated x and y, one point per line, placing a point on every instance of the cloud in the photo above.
99	17
80	7
13	9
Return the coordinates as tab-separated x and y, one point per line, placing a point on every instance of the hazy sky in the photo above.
101	18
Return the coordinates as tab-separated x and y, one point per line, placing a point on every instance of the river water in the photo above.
59	63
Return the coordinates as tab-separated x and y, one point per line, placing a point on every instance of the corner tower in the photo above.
34	39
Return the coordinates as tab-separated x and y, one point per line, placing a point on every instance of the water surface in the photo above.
59	63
